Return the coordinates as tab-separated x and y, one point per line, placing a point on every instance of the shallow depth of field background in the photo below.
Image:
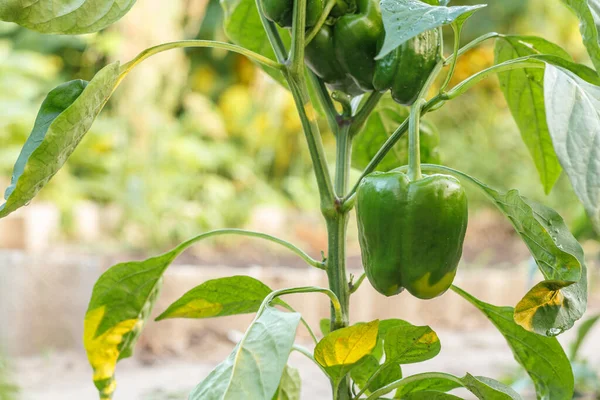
199	140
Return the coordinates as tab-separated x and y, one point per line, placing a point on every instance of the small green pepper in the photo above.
355	41
411	233
321	59
282	11
406	68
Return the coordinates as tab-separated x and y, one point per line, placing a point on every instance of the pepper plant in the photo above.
338	58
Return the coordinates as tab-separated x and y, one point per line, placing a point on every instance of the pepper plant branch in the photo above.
474	43
306	325
308	117
414	151
126	68
354	286
457	30
273	35
410	379
394	137
242	232
296	59
342	164
325	100
358	122
517	63
324	15
335	303
436	102
369	381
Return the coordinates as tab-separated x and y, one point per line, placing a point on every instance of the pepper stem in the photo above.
414	149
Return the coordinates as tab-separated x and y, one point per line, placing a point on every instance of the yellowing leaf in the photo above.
341	349
104	350
545	301
198	308
220	297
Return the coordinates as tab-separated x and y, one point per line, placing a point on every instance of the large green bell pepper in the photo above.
411	233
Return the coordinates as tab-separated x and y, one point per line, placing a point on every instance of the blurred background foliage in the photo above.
198	140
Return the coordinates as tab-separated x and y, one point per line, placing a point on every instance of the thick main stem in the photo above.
338	283
337	224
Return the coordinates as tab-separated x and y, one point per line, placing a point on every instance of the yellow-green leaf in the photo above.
339	351
406	344
220	297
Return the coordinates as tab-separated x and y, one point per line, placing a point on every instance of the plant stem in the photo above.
325	101
457	30
315	29
308	117
126	68
474	43
241	232
296	61
272	34
342	164
356	285
410	379
335	303
338	283
363	114
336	229
533	61
414	150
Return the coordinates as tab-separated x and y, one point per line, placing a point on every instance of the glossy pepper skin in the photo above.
405	70
282	11
356	37
320	57
411	232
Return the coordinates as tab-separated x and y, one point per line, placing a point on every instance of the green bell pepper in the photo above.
411	233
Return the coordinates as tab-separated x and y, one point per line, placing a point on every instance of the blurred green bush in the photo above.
235	135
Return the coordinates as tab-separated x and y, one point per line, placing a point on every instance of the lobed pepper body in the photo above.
411	233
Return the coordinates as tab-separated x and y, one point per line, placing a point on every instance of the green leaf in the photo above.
325	326
342	349
380	125
489	389
573	108
255	367
65	16
405	19
219	297
542	357
384	327
243	27
408	344
64	118
552	306
289	386
367	367
588	13
430	395
582	333
435	384
121	302
524	93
